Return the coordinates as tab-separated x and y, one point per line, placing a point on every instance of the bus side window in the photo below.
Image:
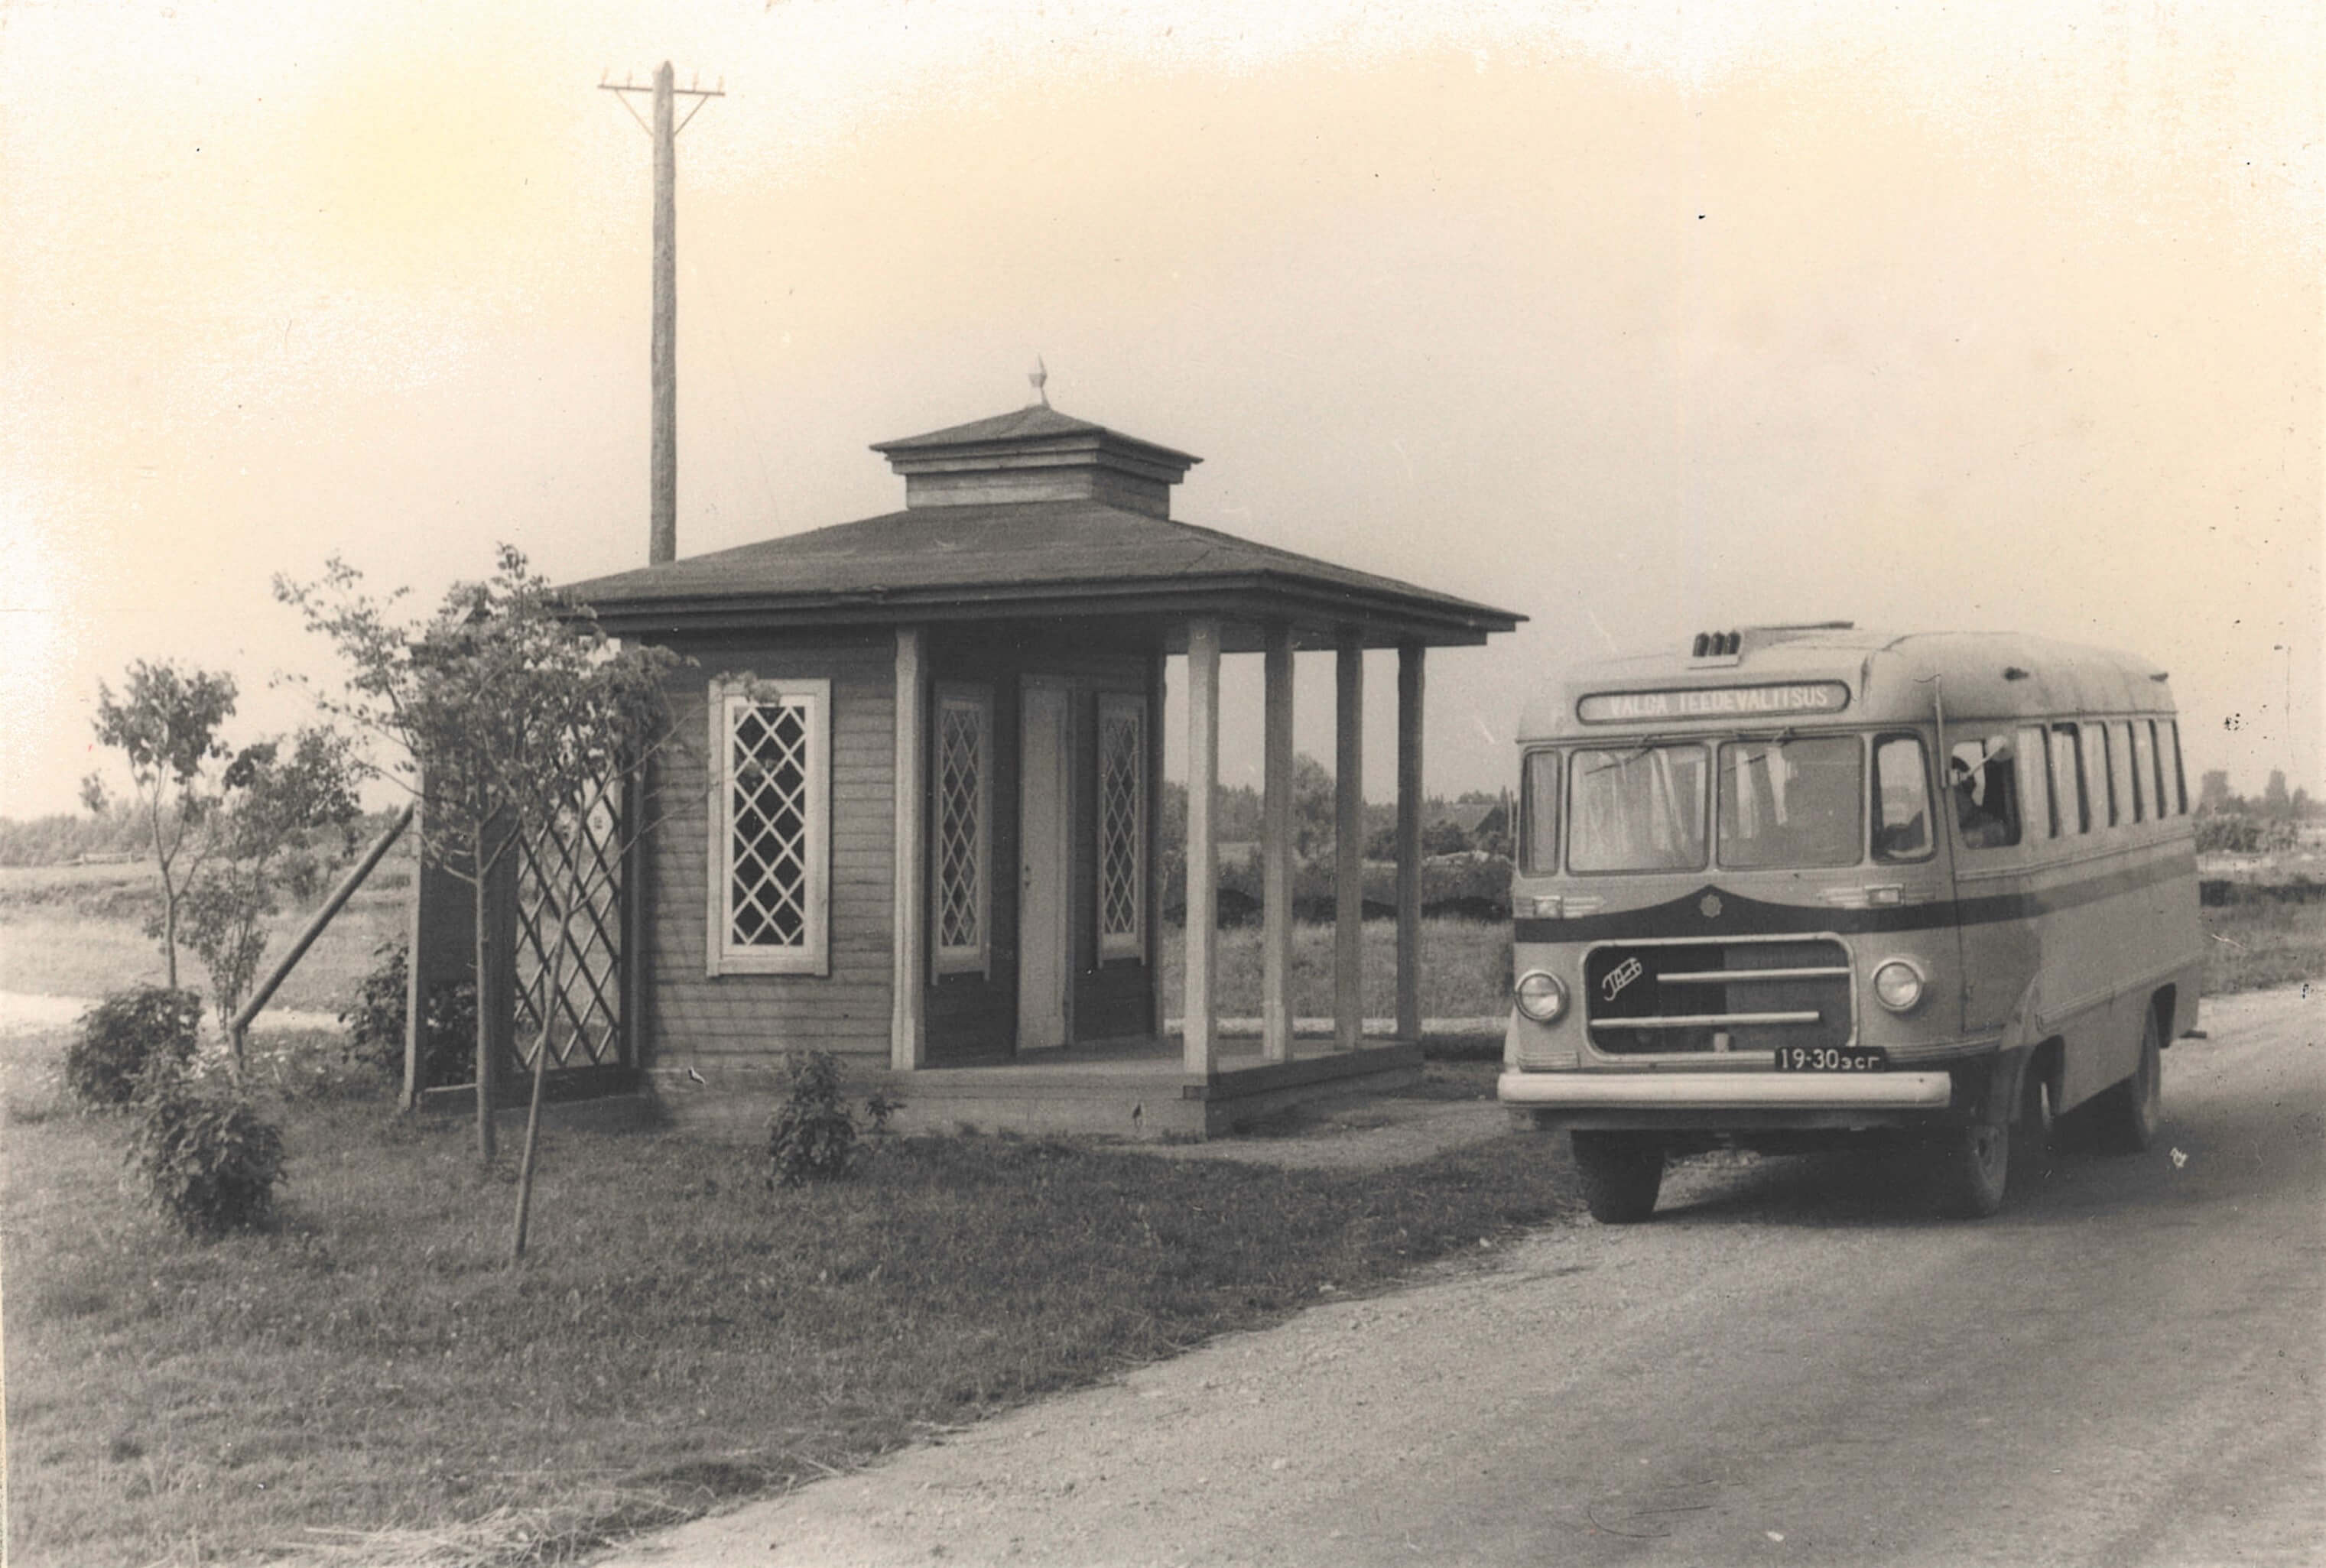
2180	780
2067	780
2146	802
1987	809
2119	776
2156	753
1539	816
1901	799
2098	810
2034	785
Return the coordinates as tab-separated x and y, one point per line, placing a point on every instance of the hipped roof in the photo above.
1030	559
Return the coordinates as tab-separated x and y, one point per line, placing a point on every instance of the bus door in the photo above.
2000	807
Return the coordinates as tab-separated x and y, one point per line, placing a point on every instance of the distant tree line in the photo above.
1473	825
2274	804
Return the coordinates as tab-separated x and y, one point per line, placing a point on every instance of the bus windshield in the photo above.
1783	803
1641	810
1791	802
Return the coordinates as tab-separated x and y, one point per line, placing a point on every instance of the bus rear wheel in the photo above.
1622	1174
2125	1117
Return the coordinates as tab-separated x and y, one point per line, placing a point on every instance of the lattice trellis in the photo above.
961	827
1121	769
768	883
569	925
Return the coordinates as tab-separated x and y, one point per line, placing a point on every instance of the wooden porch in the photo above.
1142	1088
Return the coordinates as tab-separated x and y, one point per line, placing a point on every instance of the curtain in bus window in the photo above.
1791	802
1540	785
2099	812
2067	780
1901	799
2035	791
2145	802
1636	811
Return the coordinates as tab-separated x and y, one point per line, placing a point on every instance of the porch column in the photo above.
1409	841
1349	842
1199	1021
1151	872
908	1028
1275	851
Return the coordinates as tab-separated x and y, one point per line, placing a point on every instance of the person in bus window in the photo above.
1979	803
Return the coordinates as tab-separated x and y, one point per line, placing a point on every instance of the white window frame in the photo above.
729	696
976	958
1131	944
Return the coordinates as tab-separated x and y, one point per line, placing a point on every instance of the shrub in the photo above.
813	1135
126	1034
209	1161
374	1022
374	1018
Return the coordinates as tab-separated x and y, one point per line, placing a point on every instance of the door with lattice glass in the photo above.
569	905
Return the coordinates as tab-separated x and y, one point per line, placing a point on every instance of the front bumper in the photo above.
1716	1092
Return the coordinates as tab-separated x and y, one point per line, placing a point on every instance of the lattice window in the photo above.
962	890
1121	826
768	894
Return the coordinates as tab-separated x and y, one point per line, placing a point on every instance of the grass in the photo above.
2263	941
678	1335
1466	969
75	931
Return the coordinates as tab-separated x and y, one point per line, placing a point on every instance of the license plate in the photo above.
1831	1059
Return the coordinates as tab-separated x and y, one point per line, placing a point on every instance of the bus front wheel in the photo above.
1622	1172
1970	1166
2125	1115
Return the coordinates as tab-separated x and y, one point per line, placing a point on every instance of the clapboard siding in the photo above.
693	1016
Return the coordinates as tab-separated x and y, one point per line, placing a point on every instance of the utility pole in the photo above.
662	537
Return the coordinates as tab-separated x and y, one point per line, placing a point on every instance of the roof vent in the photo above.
1716	644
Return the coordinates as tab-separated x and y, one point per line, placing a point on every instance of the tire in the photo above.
2125	1115
1971	1169
1622	1172
2035	1135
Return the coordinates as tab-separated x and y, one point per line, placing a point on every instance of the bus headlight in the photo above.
1540	996
1898	986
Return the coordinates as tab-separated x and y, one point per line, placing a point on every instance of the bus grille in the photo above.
1661	999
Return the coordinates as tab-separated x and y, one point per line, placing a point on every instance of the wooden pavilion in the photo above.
917	824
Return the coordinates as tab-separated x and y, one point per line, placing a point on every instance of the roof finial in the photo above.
1038	379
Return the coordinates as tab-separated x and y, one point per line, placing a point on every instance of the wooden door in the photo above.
1045	815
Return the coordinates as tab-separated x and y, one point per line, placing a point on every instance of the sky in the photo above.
1634	319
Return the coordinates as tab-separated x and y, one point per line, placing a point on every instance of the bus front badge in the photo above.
1710	906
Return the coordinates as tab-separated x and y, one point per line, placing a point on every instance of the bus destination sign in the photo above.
1714	702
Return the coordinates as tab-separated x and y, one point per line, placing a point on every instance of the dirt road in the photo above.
1791	1364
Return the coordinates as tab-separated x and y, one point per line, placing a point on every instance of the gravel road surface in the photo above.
1791	1364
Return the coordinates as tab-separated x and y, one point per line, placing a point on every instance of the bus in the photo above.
1807	886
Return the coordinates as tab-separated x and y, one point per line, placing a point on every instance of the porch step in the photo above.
1143	1098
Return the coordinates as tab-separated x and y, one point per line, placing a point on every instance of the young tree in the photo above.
512	713
269	833
166	723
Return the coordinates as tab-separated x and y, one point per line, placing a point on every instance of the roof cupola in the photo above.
1036	453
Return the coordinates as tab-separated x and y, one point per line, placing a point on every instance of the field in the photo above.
75	931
